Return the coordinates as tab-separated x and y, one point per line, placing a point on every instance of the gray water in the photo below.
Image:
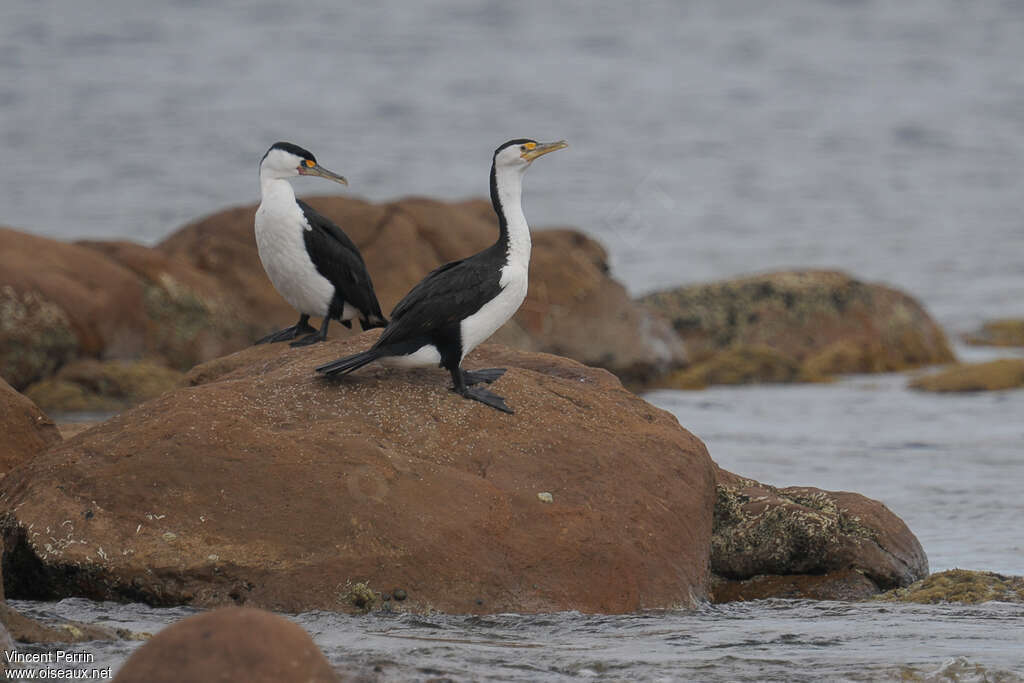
707	140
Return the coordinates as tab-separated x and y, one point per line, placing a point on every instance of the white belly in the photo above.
283	254
425	356
478	327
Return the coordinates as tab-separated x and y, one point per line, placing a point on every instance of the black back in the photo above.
337	258
433	309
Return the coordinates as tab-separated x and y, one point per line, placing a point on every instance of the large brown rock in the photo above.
227	645
58	301
25	430
1001	332
573	308
805	542
825	321
993	375
269	485
89	385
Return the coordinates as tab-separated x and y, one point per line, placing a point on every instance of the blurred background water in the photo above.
707	140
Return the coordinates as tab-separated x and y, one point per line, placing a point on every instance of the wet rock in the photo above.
996	375
573	308
26	429
960	585
89	385
232	644
1002	332
844	584
826	321
298	485
28	630
761	530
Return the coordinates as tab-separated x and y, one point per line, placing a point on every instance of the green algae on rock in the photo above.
1001	332
960	585
995	375
92	386
762	531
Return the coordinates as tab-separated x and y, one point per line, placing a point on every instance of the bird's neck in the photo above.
276	190
514	233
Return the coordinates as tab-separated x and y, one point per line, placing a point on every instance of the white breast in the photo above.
478	327
280	226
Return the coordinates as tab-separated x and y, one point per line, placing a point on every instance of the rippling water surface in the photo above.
708	140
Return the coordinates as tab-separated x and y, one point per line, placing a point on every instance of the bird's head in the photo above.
285	160
519	154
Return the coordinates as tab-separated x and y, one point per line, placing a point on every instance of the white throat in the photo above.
510	193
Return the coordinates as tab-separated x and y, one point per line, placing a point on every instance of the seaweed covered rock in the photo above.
102	386
804	542
960	585
1001	332
573	307
825	321
995	375
264	484
230	644
26	430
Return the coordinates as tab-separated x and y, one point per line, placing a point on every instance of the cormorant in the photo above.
459	305
311	262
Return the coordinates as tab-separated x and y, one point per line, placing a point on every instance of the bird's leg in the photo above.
317	336
489	375
301	327
476	393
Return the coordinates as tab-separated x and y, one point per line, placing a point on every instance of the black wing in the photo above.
444	298
337	258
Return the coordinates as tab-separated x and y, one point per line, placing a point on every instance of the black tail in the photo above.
350	363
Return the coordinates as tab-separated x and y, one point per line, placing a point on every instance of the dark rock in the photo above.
265	481
231	644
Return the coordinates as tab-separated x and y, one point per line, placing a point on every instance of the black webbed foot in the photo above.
489	375
310	339
286	334
487	398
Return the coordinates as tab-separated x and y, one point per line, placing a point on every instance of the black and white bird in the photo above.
459	305
311	262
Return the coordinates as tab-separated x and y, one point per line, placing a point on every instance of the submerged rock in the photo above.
265	484
89	385
26	430
996	375
812	538
826	322
231	644
960	585
1002	332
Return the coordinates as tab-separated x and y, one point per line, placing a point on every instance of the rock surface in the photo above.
265	484
827	322
26	430
573	308
89	385
231	644
761	531
996	375
1002	332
